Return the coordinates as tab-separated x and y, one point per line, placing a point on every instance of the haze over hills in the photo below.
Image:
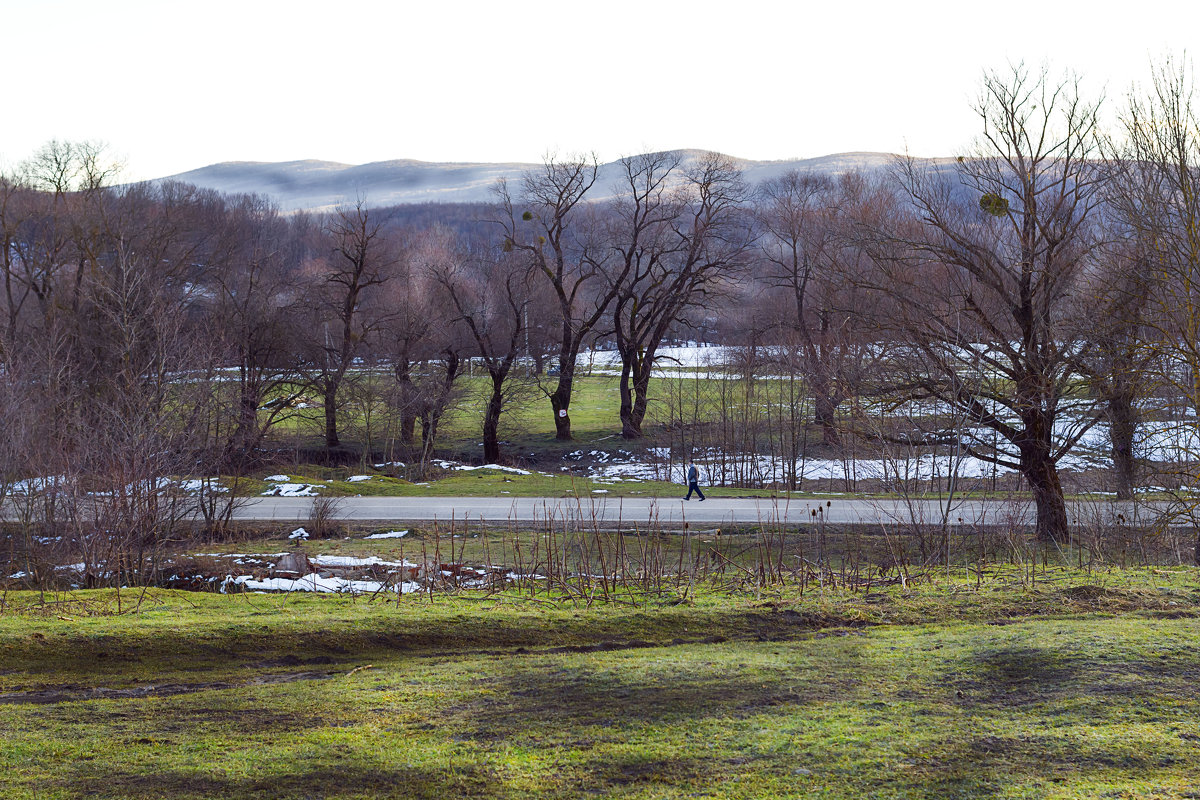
323	185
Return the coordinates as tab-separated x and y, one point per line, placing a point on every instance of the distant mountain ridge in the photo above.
323	185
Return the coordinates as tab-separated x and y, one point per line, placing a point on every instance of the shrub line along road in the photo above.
667	511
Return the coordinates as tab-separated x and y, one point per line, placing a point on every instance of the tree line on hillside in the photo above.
1041	285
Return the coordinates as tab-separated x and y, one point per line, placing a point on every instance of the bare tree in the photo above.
545	234
360	258
1123	359
491	293
48	216
249	292
672	251
420	339
985	287
61	167
810	253
1157	193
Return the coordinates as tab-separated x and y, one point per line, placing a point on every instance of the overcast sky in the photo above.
172	86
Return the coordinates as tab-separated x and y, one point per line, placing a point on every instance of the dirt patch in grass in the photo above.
322	777
608	700
63	694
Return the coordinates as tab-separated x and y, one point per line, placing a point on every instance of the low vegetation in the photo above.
1081	685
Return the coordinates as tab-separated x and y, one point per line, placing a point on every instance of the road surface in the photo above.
612	511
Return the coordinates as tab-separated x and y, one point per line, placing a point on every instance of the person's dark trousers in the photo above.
693	487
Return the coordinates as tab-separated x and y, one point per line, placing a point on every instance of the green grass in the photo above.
595	414
482	482
1083	691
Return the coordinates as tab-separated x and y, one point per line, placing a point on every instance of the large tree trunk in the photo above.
491	421
825	416
641	391
641	401
331	431
1122	416
1041	473
408	397
630	429
248	433
560	399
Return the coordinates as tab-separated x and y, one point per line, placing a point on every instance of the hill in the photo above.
321	185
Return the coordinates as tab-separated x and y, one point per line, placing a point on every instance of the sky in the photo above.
172	86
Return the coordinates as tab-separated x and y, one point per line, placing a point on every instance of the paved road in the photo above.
626	510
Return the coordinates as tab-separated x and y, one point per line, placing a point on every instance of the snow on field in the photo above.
454	465
716	469
692	356
35	485
197	485
358	478
191	486
722	468
315	583
237	556
276	478
388	535
1158	441
292	490
356	561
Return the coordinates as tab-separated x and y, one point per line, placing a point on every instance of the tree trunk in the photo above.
560	399
428	431
1041	472
825	416
408	397
641	400
630	428
1122	417
331	432
560	402
245	439
491	421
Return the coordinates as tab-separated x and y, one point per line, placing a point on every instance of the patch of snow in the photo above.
292	490
315	583
277	478
357	478
454	465
353	561
32	485
198	485
388	535
299	533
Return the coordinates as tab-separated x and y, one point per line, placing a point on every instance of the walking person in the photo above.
693	477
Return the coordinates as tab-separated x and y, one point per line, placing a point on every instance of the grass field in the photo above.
1082	686
595	415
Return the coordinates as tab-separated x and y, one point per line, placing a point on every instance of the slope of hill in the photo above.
323	185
